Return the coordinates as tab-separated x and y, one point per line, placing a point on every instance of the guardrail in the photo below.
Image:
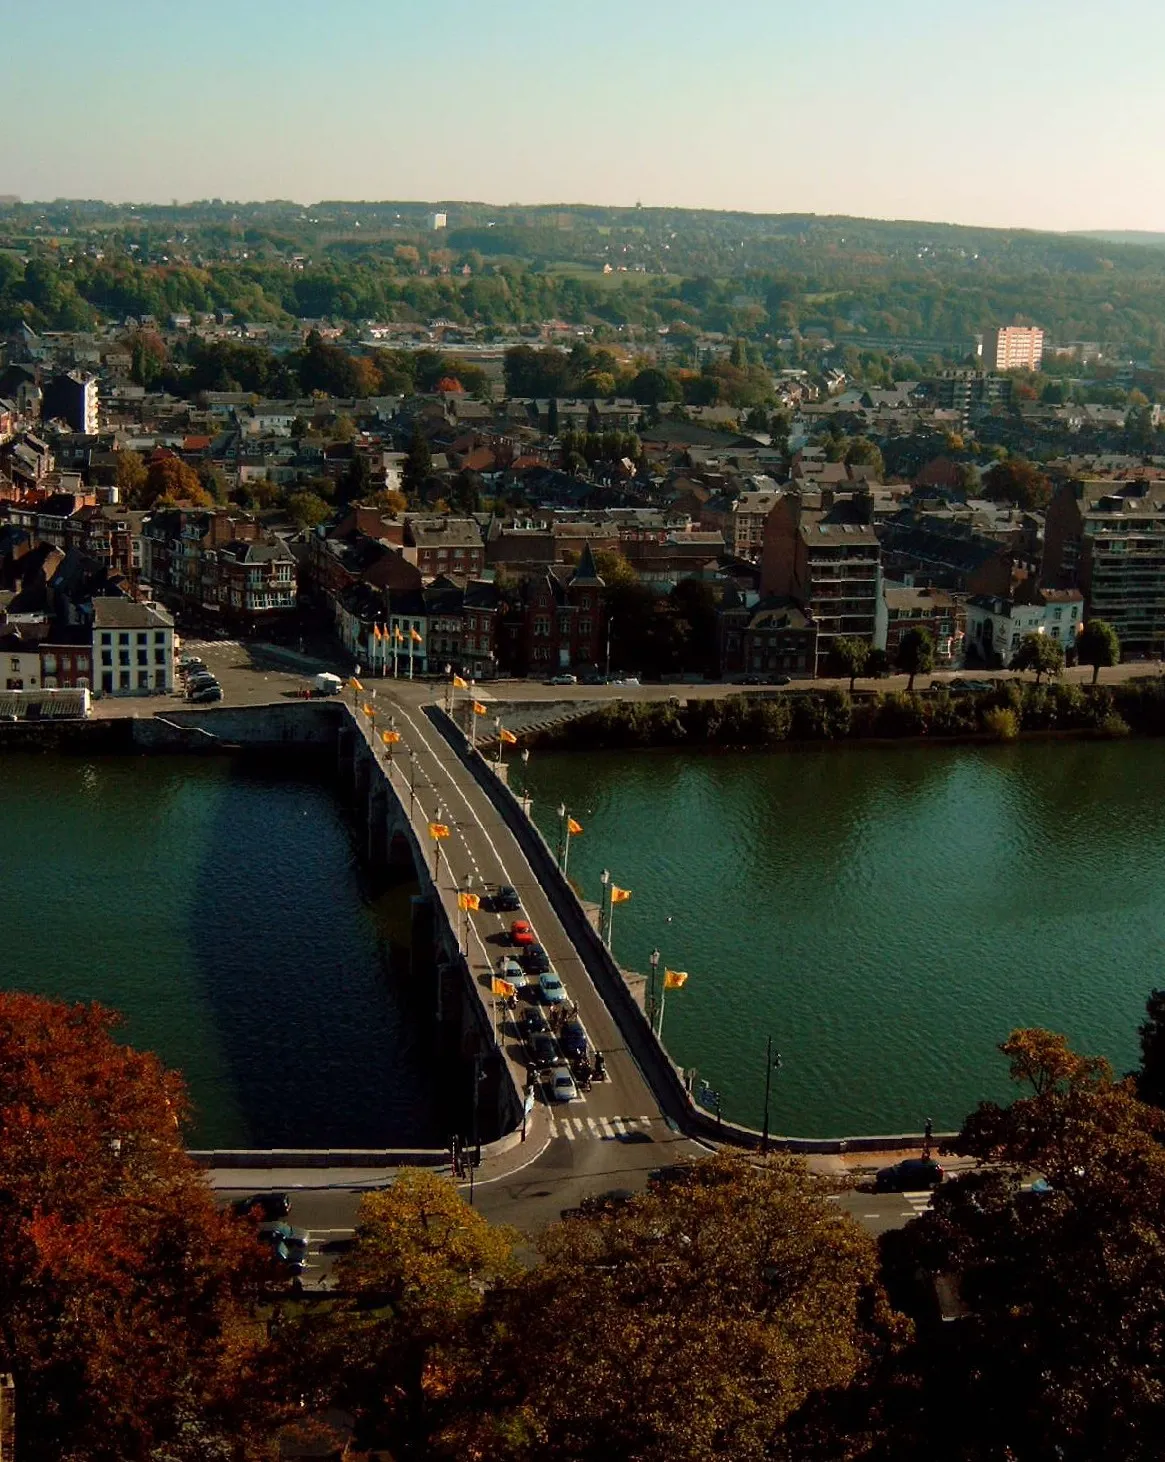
658	1069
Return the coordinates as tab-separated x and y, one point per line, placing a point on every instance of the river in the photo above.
886	915
219	908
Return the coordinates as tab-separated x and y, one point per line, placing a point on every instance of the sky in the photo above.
1026	113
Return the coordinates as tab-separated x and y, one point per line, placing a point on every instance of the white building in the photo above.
996	627
438	220
133	648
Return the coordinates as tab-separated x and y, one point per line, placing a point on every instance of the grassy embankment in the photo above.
1009	710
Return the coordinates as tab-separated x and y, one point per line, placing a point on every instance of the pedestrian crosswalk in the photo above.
602	1129
920	1202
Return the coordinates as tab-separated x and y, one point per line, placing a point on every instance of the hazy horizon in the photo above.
1018	119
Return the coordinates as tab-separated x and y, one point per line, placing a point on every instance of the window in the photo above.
584	627
107	657
83	664
541	625
143	656
106	638
107	680
123	679
160	655
123	657
143	680
49	665
14	663
159	637
123	639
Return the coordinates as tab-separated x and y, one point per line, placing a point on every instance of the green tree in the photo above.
306	510
691	1324
1098	646
417	468
863	452
415	1281
1151	1076
848	656
915	654
1040	653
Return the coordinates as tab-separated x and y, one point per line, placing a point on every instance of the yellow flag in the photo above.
438	830
572	827
355	684
390	738
414	636
674	979
398	636
479	709
376	635
459	684
502	987
368	711
469	901
508	737
619	895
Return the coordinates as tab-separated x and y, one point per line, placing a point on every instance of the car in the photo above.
749	679
563	680
535	960
533	1023
201	678
626	680
510	969
911	1176
779	680
592	677
288	1245
573	1038
521	934
599	1203
265	1205
505	900
551	988
543	1049
190	663
561	1084
208	693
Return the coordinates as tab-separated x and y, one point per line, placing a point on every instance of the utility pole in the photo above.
653	960
772	1063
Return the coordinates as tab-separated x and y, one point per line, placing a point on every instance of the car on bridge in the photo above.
543	1049
561	1084
563	680
510	969
551	988
533	1023
535	960
573	1038
521	934
505	900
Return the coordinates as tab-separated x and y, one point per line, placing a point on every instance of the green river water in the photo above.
219	908
887	915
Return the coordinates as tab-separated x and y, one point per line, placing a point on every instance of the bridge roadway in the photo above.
610	1136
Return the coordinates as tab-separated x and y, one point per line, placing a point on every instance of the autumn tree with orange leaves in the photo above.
124	1292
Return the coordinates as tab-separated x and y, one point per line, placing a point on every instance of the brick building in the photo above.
551	623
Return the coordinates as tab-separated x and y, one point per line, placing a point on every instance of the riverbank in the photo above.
1009	710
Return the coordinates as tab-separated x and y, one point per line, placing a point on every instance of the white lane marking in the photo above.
605	1127
620	1129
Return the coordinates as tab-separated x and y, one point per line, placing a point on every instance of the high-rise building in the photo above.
820	549
1108	540
438	220
72	397
1013	348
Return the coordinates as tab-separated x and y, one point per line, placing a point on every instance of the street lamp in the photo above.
653	960
610	622
772	1063
605	905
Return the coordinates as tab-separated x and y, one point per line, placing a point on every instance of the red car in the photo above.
521	933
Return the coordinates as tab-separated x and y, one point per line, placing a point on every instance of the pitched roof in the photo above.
586	574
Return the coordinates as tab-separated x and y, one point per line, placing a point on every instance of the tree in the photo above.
129	475
691	1323
1059	1350
1098	646
1151	1076
415	1279
1040	653
552	417
1016	480
123	1289
417	468
863	452
175	481
306	510
848	656
916	654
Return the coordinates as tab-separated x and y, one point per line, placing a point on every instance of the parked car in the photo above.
543	1049
563	680
190	662
208	693
521	934
598	1203
573	1038
778	680
562	1087
505	900
534	959
263	1205
200	679
911	1176
749	679
551	988
288	1245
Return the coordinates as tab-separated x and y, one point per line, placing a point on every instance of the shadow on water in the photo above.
303	969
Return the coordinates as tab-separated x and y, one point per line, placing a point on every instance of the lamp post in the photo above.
564	838
772	1063
498	730
412	780
525	783
610	622
605	907
653	960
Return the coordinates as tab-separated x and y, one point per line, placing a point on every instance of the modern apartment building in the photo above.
820	549
1013	348
1108	540
72	397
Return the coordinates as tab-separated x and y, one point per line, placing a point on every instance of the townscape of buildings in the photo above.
792	549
